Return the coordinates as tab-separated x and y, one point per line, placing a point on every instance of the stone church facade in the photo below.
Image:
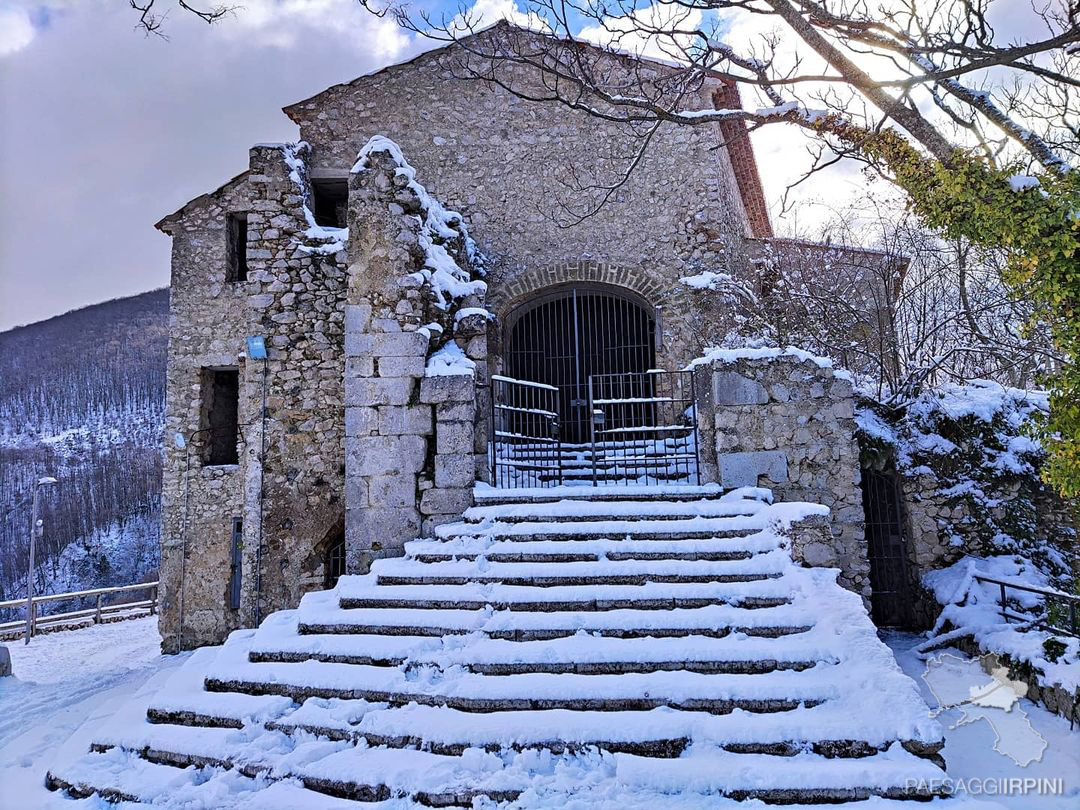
339	445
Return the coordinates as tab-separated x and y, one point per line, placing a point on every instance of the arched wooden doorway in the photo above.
564	336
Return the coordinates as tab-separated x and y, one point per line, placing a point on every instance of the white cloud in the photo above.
285	23
16	30
485	13
105	130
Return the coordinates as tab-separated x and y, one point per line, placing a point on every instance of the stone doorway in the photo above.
886	550
564	336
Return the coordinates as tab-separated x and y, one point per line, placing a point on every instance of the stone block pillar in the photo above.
449	491
386	435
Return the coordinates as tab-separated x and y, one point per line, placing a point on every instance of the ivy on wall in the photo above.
1036	220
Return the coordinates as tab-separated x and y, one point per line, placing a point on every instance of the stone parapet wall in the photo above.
786	422
1053	697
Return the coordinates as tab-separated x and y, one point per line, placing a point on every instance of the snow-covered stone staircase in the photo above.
588	645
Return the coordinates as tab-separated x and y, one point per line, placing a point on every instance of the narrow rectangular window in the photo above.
236	230
235	569
331	202
220	418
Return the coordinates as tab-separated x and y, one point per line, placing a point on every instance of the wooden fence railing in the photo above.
103	607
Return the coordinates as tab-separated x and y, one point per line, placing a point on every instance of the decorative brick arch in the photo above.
503	298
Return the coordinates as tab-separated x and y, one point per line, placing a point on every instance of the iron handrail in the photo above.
526	443
650	409
1006	614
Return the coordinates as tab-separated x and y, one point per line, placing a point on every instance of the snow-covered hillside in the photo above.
82	398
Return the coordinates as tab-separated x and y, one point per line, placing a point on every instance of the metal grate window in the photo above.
334	565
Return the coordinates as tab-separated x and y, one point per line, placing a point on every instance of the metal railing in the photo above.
526	449
102	608
1061	608
644	428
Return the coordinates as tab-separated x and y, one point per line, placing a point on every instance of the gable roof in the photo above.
725	96
291	110
166	222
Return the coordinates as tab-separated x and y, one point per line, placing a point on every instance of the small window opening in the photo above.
331	202
335	560
236	226
220	418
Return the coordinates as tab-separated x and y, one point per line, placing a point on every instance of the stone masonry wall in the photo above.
786	422
208	318
503	163
351	422
294	297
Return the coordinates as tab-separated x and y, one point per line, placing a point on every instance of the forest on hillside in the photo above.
82	399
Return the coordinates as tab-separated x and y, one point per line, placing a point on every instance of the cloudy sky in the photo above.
103	130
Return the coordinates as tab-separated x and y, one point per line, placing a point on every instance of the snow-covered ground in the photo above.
969	747
64	686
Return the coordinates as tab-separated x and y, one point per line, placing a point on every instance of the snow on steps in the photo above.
546	680
713	620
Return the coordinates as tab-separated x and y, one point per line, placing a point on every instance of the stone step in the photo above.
98	774
564	556
495	550
744	667
603	460
485	494
561	597
677	529
580	654
715	693
376	774
713	620
657	733
660	472
116	776
405	571
542	581
712	705
602	449
571	510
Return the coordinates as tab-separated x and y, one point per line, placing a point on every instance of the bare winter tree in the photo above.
938	70
890	300
152	14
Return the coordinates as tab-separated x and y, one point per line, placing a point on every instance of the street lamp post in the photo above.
35	532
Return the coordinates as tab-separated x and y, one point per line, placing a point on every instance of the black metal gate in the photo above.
526	450
644	427
564	337
886	545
